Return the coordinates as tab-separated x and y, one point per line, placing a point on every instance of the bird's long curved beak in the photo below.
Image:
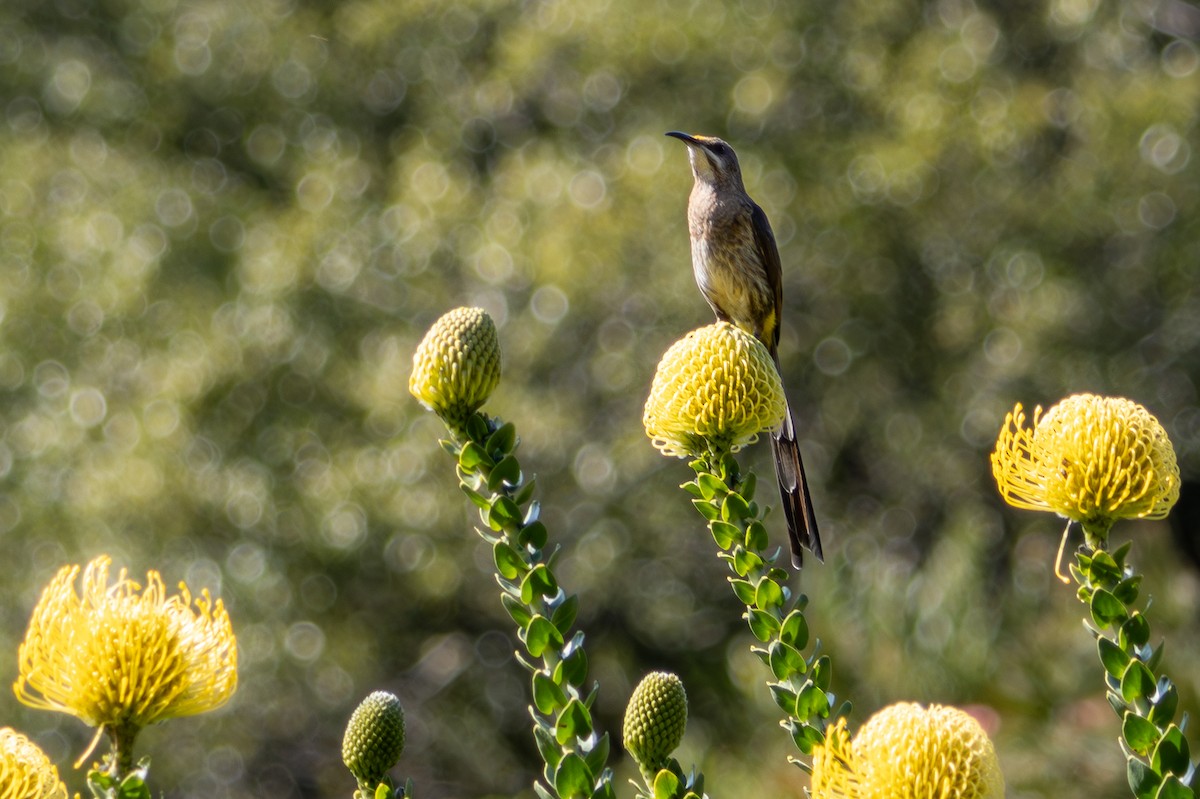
686	138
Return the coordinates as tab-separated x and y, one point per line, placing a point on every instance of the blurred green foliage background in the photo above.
225	226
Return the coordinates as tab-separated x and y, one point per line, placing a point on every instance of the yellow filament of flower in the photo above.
120	657
25	771
907	751
1090	459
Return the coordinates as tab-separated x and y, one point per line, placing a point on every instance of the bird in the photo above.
736	265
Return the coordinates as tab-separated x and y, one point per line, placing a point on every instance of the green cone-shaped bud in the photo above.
457	365
374	738
655	719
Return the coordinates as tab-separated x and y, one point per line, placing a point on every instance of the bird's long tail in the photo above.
793	490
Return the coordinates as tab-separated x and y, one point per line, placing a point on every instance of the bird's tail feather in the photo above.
793	490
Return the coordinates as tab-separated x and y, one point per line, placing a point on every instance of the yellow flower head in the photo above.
121	657
907	751
715	390
457	365
25	771
1090	459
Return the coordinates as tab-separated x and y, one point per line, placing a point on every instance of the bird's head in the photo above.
713	161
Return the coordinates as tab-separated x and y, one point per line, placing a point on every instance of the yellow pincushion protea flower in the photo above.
121	657
457	365
1090	459
907	751
715	390
25	771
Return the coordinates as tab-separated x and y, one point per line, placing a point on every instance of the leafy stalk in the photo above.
800	684
1159	764
575	755
128	783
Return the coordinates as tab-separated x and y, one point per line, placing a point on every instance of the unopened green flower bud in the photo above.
374	738
655	720
715	389
457	365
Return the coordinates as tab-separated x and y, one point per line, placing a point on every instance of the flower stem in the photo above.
1158	763
800	684
575	755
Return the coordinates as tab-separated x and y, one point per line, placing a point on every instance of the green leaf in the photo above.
1107	609
1134	632
756	536
473	457
1142	780
1171	754
811	702
597	756
666	784
1122	553
744	589
534	534
1155	657
539	582
574	722
384	791
822	672
477	427
564	615
1166	702
477	499
547	696
1103	568
748	486
1139	734
706	509
1173	788
794	630
1137	684
711	486
504	515
549	749
745	561
785	660
526	492
518	612
724	533
133	786
573	778
764	625
604	790
1114	659
735	508
572	669
509	562
768	594
784	697
505	473
1127	589
503	440
541	635
693	488
807	738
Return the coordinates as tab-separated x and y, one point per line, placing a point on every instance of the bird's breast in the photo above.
730	272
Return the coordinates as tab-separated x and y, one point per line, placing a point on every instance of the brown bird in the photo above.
736	263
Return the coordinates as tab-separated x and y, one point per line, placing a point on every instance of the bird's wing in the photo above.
764	242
